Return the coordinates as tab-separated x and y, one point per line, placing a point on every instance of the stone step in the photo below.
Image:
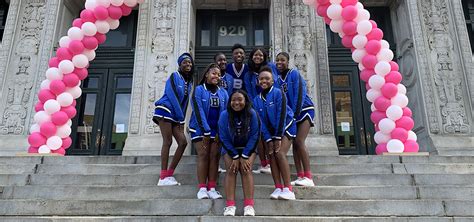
190	179
13	179
435	168
261	192
17	168
263	207
22	159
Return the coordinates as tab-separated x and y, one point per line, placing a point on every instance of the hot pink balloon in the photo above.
77	23
54	62
349	28
411	146
76	47
48	129
323	10
88	16
60	151
375	34
382	103
369	61
381	148
36	140
393	77
405	122
71	80
407	112
101	13
100	37
323	2
39	106
59	118
70	111
90	42
349	12
67	142
45	95
373	47
366	74
81	73
33	149
347	41
115	12
389	90
399	134
377	116
57	86
374	24
394	66
63	54
345	3
126	11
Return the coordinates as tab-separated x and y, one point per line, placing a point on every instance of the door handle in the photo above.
98	138
369	139
102	142
362	136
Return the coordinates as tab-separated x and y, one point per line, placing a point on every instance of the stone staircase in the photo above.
349	188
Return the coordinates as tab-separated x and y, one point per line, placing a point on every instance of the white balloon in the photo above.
358	55
64	41
69	122
412	136
63	131
75	33
91	4
44	149
336	26
335	1
372	108
130	3
385	55
359	6
335	12
51	106
89	29
54	142
80	61
361	66
376	82
395	146
402	89
42	117
373	94
382	68
90	54
35	128
105	3
113	23
54	74
385	44
380	137
386	125
359	41
65	99
102	26
394	112
400	100
75	92
45	84
364	27
66	67
116	2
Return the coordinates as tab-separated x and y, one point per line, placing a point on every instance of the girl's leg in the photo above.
300	146
178	133
167	134
274	166
261	154
297	160
202	163
230	179
282	161
247	183
213	164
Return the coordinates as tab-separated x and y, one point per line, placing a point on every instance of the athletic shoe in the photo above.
168	181
305	182
276	194
249	211
229	211
214	194
202	194
286	194
266	170
173	181
294	182
221	170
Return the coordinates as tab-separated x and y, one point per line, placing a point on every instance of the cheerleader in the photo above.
239	132
208	102
227	81
278	130
170	111
293	84
238	68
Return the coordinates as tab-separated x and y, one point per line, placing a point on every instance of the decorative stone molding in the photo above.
7	41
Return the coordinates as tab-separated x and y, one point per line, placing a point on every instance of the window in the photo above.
3	16
468	6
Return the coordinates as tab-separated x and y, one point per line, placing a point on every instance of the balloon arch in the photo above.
56	106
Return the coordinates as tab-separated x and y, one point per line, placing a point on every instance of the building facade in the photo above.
432	41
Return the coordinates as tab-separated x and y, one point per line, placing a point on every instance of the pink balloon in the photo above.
405	122
411	146
369	61
59	118
101	13
367	86
349	28
327	21
347	41
399	134
115	12
36	140
374	24
76	47
45	95
323	2
39	106
375	34
67	142
393	77
70	111
373	47
346	3
54	62
90	42
57	87
63	54
394	66
100	37
382	103
126	11
381	148
377	116
74	103
407	112
61	151
81	73
48	129
323	10
366	74
389	90
71	80
88	16
349	12
33	149
77	23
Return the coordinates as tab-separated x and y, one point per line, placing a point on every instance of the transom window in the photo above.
468	6
3	16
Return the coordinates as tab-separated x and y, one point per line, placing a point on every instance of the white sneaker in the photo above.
202	194
168	181
173	181
229	211
266	169
305	182
286	194
249	211
214	194
276	194
294	182
221	170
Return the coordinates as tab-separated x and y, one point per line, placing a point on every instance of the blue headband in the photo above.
184	56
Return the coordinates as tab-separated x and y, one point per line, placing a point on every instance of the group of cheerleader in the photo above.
239	110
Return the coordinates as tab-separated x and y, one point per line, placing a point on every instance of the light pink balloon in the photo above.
80	61
54	142
395	146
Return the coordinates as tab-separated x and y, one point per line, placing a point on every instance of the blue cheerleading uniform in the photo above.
275	114
251	81
172	105
239	142
207	107
227	83
299	101
238	76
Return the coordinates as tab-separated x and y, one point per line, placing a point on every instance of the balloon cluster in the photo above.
390	114
56	105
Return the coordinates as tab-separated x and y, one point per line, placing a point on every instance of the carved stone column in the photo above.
298	31
28	44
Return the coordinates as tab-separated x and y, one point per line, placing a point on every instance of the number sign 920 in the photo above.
232	30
